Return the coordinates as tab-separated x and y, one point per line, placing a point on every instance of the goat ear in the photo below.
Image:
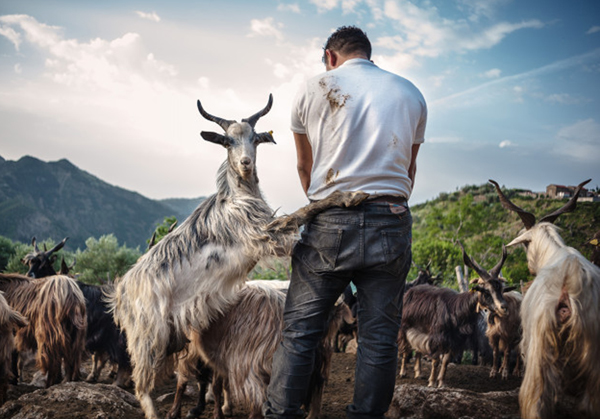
508	289
265	137
523	238
476	281
213	137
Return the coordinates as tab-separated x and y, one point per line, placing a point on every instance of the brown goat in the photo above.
10	320
241	354
55	308
504	334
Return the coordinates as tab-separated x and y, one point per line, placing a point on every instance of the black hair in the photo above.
347	40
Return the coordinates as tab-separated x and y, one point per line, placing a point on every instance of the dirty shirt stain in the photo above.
333	93
331	176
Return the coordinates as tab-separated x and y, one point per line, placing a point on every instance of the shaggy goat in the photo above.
504	334
104	341
10	320
193	273
241	354
438	321
559	313
55	308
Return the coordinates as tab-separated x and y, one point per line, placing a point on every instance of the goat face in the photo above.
41	263
240	140
489	285
490	295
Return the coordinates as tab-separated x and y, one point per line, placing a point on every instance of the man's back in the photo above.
361	122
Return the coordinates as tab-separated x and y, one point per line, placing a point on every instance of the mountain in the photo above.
57	199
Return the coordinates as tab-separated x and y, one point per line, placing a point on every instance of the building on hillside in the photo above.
564	192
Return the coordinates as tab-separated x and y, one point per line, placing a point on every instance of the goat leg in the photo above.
175	411
217	386
445	360
418	356
434	363
291	223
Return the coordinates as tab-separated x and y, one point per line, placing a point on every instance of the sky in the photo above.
512	87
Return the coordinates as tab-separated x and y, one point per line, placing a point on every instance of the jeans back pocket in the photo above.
319	248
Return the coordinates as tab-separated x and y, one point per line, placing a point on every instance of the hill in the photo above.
57	199
474	216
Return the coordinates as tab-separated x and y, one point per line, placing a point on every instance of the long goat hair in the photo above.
190	277
560	313
241	354
438	321
55	308
10	320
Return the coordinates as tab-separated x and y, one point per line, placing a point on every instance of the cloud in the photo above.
582	60
12	36
266	27
18	68
292	7
149	16
494	73
579	140
505	144
593	29
423	32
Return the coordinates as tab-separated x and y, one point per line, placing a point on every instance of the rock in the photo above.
74	400
418	402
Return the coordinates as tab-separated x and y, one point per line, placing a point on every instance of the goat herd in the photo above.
187	300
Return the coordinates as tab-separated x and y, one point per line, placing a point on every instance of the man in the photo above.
356	128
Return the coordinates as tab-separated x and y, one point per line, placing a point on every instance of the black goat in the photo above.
438	321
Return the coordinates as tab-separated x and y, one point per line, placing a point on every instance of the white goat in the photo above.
560	313
186	280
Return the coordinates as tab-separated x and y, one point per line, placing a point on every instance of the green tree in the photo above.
104	260
7	250
163	229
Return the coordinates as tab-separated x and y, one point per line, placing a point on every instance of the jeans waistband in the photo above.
388	199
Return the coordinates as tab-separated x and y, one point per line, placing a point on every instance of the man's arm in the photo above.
412	169
304	158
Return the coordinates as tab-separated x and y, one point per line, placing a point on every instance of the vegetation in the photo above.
472	215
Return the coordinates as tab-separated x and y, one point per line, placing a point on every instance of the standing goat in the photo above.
188	278
504	334
438	321
241	354
560	315
55	308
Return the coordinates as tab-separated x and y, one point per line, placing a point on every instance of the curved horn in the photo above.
495	271
527	217
254	118
58	246
568	207
34	244
473	265
223	123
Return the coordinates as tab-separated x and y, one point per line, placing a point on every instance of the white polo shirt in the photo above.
361	122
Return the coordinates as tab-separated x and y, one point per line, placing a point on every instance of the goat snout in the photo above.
245	162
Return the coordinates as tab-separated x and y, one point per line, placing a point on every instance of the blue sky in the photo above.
513	87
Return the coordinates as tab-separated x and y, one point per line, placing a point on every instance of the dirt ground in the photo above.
338	392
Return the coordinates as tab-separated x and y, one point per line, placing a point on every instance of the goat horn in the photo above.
58	246
527	217
568	207
223	123
254	118
473	265
495	271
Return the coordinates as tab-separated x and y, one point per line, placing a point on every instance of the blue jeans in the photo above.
370	245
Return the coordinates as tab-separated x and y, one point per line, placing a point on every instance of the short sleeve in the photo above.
420	131
297	122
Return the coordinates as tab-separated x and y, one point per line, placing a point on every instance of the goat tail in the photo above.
61	327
